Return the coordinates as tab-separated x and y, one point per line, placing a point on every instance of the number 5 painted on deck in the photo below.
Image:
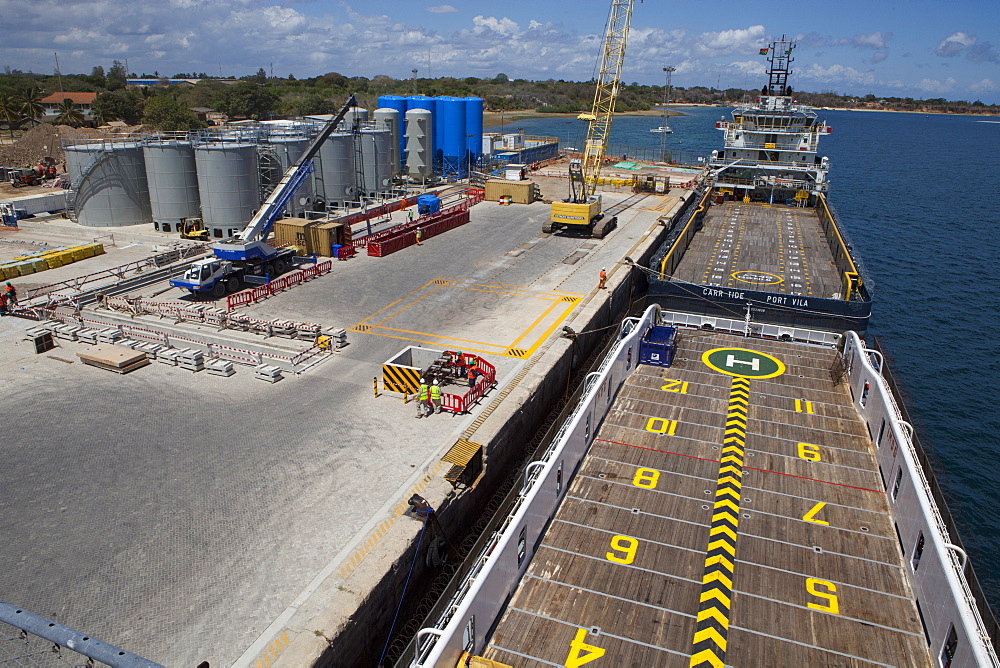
577	648
812	586
623	544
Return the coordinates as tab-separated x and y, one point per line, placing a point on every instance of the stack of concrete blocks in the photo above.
271	374
131	344
168	356
219	367
109	335
67	332
87	335
151	349
339	337
191	359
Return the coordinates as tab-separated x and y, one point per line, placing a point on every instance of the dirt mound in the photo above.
46	139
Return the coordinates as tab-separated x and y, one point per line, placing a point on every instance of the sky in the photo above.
917	48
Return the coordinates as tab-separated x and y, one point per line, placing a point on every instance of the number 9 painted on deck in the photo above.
623	544
830	596
646	478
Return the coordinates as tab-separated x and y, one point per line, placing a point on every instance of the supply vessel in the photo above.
737	484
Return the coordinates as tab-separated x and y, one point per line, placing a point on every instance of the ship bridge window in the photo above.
897	483
950	646
918	551
217	233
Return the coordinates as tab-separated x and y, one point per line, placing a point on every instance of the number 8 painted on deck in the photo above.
646	478
623	544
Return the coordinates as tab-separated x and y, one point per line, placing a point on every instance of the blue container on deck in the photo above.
428	204
335	250
657	346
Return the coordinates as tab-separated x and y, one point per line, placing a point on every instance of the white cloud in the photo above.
503	26
936	86
441	9
838	73
984	86
875	40
725	42
954	44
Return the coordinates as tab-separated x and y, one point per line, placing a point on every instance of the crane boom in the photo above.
606	94
583	208
250	242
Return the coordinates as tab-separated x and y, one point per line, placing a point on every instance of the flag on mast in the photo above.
763	51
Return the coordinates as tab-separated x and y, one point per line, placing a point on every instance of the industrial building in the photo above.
223	174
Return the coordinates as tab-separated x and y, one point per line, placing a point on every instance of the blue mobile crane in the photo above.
248	253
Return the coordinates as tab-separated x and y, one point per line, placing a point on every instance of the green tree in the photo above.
98	78
166	114
10	111
116	76
31	103
69	114
246	99
120	105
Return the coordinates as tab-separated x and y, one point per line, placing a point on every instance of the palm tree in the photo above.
69	114
10	112
31	104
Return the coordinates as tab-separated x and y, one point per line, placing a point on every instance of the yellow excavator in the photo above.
193	228
582	210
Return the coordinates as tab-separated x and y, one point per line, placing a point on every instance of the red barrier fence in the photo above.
472	196
454	403
283	283
439	224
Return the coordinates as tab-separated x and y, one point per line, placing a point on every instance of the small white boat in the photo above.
663	129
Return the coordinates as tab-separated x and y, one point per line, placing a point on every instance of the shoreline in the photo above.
493	118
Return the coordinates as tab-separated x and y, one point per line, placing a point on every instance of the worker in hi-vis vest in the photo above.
436	396
423	396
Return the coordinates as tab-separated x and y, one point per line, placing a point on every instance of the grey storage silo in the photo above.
389	119
288	148
376	160
173	181
335	176
419	144
109	187
229	185
355	117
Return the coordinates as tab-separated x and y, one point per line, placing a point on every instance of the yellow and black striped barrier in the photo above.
712	626
404	379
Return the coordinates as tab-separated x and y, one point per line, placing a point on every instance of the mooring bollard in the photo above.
375	386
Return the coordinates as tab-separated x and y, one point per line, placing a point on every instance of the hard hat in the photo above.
604	268
422	380
435	381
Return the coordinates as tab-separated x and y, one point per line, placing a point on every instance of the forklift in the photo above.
193	228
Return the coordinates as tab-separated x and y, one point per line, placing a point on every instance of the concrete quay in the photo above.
187	517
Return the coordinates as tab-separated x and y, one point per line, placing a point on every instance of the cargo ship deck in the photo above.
773	248
736	519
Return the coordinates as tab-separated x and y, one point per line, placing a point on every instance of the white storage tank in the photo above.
108	184
388	119
173	181
419	144
228	184
354	118
335	176
376	161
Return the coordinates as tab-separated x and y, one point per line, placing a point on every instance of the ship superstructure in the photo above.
772	143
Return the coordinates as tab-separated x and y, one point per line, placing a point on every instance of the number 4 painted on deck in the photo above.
580	652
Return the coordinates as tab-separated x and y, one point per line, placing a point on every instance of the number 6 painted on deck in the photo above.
809	452
623	544
830	595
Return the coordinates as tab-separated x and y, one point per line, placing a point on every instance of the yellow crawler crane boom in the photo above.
583	207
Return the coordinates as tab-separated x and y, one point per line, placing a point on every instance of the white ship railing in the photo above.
466	622
936	569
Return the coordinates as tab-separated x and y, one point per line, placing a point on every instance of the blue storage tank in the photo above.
451	143
474	127
399	103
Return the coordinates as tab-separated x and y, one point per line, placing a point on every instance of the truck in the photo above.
248	254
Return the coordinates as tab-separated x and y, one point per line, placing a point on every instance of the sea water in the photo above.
919	198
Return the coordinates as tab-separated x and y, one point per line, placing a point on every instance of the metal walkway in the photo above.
729	513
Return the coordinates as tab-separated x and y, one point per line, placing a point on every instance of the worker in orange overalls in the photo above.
604	278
